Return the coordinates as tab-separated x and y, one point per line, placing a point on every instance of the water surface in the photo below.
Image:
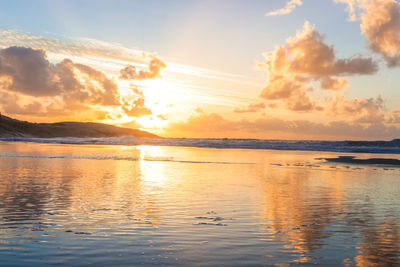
159	205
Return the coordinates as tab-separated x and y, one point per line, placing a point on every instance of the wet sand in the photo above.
145	205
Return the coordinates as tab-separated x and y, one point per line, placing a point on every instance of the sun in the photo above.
157	98
150	122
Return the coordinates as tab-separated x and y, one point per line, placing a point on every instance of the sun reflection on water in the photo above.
147	201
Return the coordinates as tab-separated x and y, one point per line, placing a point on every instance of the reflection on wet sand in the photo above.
380	245
75	189
182	213
300	207
304	209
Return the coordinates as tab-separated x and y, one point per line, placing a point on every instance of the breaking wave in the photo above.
389	147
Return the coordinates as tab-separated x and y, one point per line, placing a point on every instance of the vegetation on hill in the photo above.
15	128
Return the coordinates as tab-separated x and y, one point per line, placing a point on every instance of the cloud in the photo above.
86	85
287	9
155	66
214	125
308	54
31	85
394	117
370	110
136	108
351	8
256	107
74	47
334	84
306	58
380	23
112	57
17	104
160	116
300	101
28	71
9	104
134	104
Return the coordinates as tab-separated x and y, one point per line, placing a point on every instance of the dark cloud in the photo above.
27	71
31	85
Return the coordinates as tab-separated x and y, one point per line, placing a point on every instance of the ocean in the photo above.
197	202
388	147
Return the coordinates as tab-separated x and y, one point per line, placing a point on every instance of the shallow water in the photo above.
155	205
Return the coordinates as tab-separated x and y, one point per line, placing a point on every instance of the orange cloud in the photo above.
380	23
334	84
369	110
308	54
31	85
133	104
381	26
394	117
300	101
46	109
29	72
250	108
214	125
306	58
155	66
10	104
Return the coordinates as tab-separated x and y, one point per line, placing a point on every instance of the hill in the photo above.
10	127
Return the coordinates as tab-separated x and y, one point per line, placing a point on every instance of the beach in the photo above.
103	205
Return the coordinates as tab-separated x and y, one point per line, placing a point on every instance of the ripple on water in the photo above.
289	208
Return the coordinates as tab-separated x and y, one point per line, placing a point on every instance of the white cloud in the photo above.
287	9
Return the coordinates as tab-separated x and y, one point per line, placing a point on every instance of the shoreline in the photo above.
255	144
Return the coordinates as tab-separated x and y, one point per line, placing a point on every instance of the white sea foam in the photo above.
390	147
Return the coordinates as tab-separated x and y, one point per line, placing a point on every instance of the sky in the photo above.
271	69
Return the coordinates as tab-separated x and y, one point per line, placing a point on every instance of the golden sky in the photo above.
303	85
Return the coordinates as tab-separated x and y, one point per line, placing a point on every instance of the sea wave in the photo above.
387	147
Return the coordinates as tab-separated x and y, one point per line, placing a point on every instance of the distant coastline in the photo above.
10	127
